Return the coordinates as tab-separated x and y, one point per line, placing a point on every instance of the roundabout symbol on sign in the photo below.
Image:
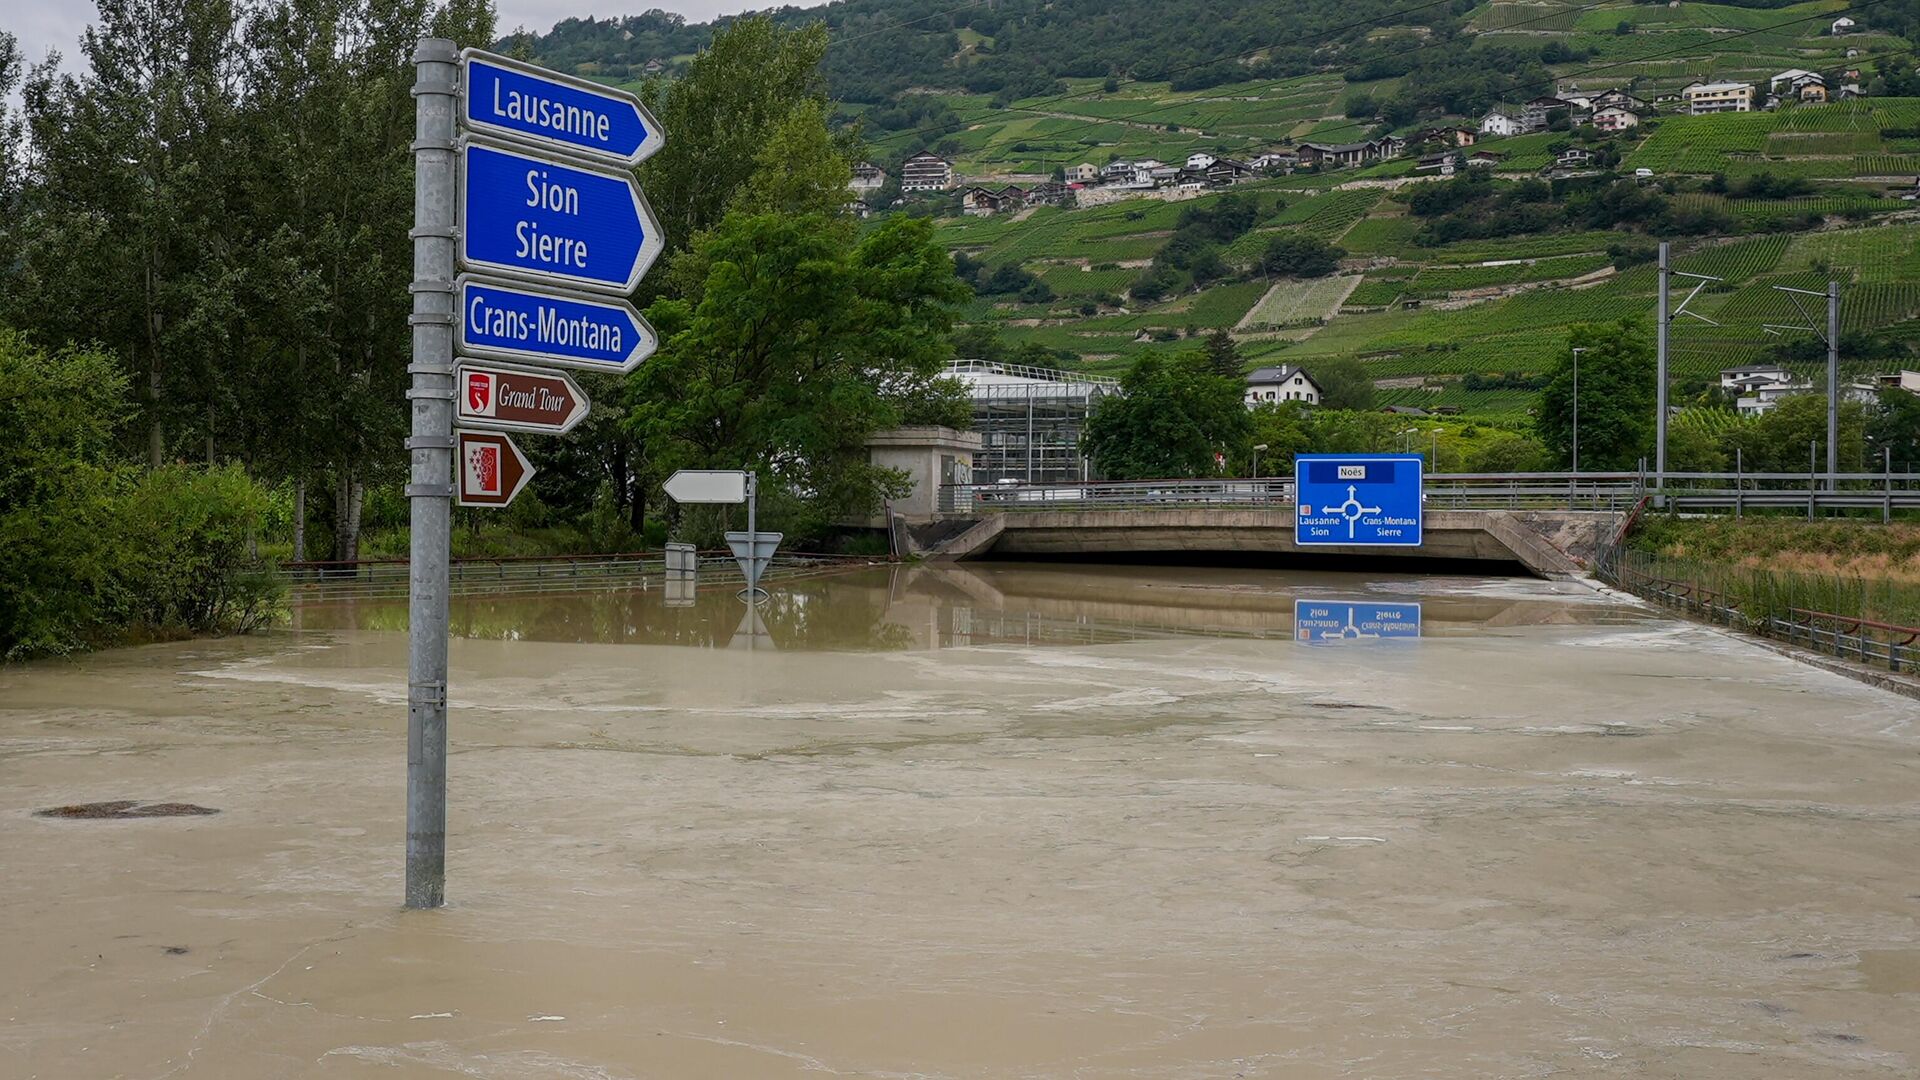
1351	509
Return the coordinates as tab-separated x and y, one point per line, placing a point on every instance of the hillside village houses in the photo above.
867	179
1615	118
1757	388
926	171
1702	98
1796	84
1284	383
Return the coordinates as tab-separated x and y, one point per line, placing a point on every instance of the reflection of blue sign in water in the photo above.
1369	501
1337	620
517	322
567	225
556	111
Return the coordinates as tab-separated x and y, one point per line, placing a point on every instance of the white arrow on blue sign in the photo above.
503	321
543	108
541	220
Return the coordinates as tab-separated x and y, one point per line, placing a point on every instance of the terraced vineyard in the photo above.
1422	318
1290	303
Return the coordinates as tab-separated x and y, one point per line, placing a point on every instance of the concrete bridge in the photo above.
1548	543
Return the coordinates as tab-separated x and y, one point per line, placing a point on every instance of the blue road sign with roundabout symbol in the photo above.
1357	500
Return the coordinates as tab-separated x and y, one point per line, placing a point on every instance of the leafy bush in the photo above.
94	546
1300	255
57	490
187	538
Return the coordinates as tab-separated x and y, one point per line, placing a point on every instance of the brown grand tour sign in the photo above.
507	398
492	470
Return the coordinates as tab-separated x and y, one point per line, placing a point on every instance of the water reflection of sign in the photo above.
681	590
1363	501
1342	620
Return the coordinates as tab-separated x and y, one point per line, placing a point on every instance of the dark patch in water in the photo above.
123	809
175	950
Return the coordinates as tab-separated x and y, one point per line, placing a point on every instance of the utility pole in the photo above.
1832	338
1833	384
1660	358
430	491
1577	350
1667	314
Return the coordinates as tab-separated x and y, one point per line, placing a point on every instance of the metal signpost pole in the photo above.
753	565
430	492
471	212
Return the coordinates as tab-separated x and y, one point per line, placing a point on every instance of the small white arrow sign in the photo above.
707	486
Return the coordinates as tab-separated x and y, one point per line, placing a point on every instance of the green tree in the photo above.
1300	255
1895	426
721	115
1792	435
1341	431
1616	397
1284	428
1695	447
132	241
802	344
58	481
1344	383
1172	416
1223	355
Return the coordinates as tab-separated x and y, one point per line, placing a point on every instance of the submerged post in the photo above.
430	490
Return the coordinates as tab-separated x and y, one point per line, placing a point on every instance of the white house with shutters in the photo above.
1271	385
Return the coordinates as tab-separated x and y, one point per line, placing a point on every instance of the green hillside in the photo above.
1460	306
1423	317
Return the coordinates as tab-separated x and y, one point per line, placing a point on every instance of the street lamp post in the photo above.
1578	349
1257	447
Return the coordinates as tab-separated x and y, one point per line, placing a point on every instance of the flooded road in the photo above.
999	821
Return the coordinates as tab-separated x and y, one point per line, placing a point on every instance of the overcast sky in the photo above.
56	24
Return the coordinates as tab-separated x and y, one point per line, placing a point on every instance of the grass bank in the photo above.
1767	566
1848	548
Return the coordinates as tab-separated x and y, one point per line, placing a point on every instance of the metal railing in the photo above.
1615	492
1856	637
320	582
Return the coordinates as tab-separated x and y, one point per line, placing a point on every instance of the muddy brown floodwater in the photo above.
1007	821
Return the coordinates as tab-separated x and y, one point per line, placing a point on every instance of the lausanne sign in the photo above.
554	111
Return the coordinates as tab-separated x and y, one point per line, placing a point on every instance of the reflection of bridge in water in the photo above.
958	606
934	606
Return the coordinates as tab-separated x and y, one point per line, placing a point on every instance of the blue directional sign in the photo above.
1358	501
502	321
536	219
546	109
1348	620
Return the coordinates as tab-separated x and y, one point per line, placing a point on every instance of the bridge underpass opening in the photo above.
1330	562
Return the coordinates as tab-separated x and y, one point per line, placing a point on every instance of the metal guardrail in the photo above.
320	582
1616	492
1846	636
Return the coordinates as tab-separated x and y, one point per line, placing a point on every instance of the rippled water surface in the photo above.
998	821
